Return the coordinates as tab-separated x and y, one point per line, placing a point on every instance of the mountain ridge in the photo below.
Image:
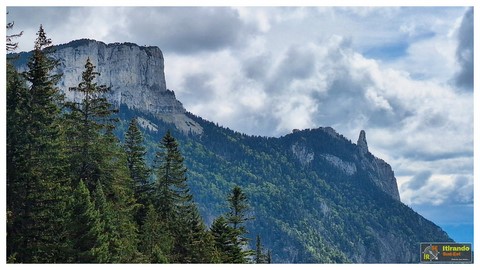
329	199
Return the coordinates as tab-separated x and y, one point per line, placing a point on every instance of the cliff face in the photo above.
350	160
134	73
378	170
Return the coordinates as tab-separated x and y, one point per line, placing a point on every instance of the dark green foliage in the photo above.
260	256
87	229
139	172
96	158
225	243
88	123
156	242
237	215
171	191
175	206
37	185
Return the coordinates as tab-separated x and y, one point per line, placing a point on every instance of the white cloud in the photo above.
266	71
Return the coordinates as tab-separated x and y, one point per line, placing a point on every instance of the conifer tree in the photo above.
269	256
97	158
236	217
106	220
172	191
120	200
224	238
138	169
192	238
17	142
88	232
260	257
36	164
156	243
89	120
175	205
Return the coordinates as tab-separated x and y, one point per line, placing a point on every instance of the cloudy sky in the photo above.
404	75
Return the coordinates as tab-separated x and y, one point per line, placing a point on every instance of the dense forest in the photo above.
77	194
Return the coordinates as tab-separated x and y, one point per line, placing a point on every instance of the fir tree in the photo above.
138	169
97	158
224	238
172	191
156	243
17	145
236	217
36	164
106	220
176	207
260	257
89	120
88	232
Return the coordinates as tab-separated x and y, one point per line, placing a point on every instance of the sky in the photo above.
402	74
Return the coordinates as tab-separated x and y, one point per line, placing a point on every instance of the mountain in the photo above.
144	90
316	196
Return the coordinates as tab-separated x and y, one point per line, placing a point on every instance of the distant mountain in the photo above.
317	197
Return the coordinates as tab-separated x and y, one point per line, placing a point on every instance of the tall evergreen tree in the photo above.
97	158
175	205
106	220
139	172
260	257
156	243
17	142
224	238
172	192
87	230
89	120
237	216
36	164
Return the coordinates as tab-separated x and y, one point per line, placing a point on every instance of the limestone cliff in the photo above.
134	73
379	171
331	149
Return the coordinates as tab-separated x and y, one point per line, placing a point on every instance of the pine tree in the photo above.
224	237
97	158
121	201
106	220
89	120
36	164
87	230
156	243
17	145
192	238
236	217
260	257
172	191
175	205
138	169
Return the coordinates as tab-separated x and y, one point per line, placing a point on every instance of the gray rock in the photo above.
134	73
379	171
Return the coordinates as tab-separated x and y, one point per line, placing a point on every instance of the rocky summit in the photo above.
134	73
